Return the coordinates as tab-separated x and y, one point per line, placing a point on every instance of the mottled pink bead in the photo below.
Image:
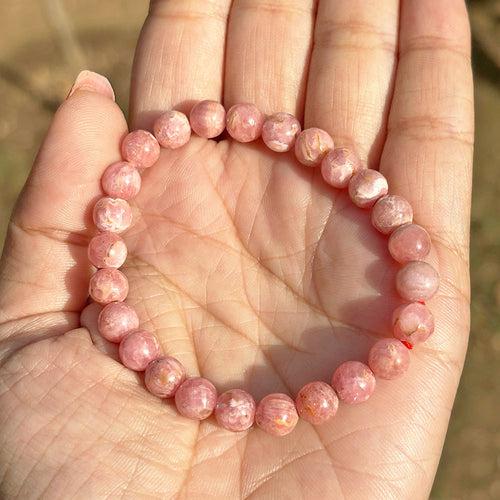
338	166
235	410
388	358
311	146
413	323
108	285
417	281
390	212
353	382
140	148
172	129
121	180
138	349
208	119
244	122
163	376
276	414
316	403
280	131
409	242
116	320
112	214
366	187
107	250
196	398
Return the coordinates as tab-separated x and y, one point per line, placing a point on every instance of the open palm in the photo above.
248	268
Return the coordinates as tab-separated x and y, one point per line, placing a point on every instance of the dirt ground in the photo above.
38	61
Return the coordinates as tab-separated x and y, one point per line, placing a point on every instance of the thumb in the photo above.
44	268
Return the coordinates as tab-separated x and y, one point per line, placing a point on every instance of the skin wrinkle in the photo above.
234	331
282	466
257	263
124	406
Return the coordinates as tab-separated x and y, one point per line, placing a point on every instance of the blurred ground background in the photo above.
39	58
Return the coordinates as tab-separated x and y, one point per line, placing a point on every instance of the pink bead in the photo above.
388	358
244	122
366	187
107	250
280	131
312	145
208	119
140	148
138	349
235	410
390	212
338	166
116	320
353	382
417	281
121	180
276	414
409	242
316	403
413	323
172	129
196	398
112	214
163	376
108	285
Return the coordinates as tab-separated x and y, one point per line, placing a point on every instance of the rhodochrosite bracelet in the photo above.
196	397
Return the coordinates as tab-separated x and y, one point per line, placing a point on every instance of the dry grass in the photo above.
37	68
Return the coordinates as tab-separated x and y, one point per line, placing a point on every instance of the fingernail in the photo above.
92	82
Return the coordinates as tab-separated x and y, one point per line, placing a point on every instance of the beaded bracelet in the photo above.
196	397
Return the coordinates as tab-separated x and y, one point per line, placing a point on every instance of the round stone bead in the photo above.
172	129
353	382
244	122
280	131
409	242
140	148
390	212
195	398
338	166
121	180
108	285
312	145
388	358
413	323
208	119
112	214
366	187
138	349
116	320
276	414
316	403
235	410
107	250
417	281
163	376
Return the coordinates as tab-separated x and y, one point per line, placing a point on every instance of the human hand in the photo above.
246	265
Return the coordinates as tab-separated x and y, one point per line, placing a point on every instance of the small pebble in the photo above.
138	349
140	148
312	145
244	122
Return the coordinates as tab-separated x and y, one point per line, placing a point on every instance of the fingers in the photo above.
44	267
268	47
428	154
179	57
352	71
